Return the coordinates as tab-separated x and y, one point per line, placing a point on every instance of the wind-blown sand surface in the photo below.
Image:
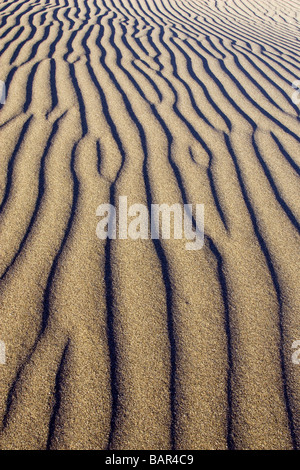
143	344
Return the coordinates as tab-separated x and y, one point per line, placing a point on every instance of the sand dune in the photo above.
142	344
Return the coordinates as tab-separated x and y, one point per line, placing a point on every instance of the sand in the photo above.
142	344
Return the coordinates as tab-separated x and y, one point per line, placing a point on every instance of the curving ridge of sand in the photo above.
142	344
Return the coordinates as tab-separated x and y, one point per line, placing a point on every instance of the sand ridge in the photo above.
124	344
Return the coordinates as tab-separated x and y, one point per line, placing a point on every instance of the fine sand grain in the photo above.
126	344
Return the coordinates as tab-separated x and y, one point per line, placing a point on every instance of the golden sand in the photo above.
140	344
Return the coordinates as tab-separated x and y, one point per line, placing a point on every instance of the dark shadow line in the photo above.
57	397
271	181
11	162
286	154
224	290
29	87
